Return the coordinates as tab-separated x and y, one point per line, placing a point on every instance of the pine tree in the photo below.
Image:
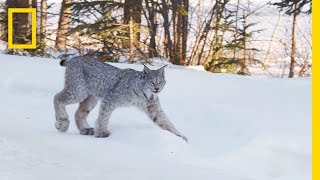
63	27
294	8
3	22
102	28
153	26
231	54
21	24
43	22
180	10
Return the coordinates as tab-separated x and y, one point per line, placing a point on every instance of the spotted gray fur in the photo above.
88	80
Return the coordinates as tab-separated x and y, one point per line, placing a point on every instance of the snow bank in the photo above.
239	128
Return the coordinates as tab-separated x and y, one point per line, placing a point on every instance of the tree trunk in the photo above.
166	27
293	40
243	60
153	25
132	11
200	14
176	30
43	22
180	30
34	3
131	40
236	29
185	24
205	32
21	24
63	27
272	37
216	41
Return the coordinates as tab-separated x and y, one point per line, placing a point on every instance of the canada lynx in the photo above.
88	80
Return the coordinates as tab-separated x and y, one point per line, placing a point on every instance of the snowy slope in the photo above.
239	128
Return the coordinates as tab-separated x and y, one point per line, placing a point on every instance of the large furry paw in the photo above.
62	124
87	131
101	134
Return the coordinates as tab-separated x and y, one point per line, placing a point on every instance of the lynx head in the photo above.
154	79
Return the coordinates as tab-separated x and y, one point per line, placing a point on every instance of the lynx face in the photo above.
154	79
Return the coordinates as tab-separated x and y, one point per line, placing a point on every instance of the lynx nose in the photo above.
156	89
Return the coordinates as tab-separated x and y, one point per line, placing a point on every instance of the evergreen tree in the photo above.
63	27
294	8
22	28
303	6
232	54
95	20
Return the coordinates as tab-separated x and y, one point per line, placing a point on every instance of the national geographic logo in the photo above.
33	12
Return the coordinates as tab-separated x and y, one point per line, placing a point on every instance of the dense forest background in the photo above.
244	37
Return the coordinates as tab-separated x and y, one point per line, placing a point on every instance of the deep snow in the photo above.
239	128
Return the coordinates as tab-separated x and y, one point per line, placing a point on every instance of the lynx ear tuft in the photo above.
145	70
161	70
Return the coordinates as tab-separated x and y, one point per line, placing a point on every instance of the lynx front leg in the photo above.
82	113
157	115
101	129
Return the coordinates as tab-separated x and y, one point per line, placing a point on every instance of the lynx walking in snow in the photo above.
88	80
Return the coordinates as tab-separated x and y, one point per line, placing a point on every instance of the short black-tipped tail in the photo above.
63	63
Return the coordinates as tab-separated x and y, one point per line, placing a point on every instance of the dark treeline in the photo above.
143	29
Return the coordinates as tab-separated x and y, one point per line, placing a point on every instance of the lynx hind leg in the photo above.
82	113
61	100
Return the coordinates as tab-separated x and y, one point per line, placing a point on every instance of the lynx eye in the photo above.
151	82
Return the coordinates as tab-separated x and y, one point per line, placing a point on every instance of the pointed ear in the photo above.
161	70
145	71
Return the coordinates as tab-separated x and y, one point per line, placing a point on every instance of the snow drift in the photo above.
239	128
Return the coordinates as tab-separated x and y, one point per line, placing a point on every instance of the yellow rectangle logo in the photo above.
33	12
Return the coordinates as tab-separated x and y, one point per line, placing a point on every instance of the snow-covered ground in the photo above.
239	128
